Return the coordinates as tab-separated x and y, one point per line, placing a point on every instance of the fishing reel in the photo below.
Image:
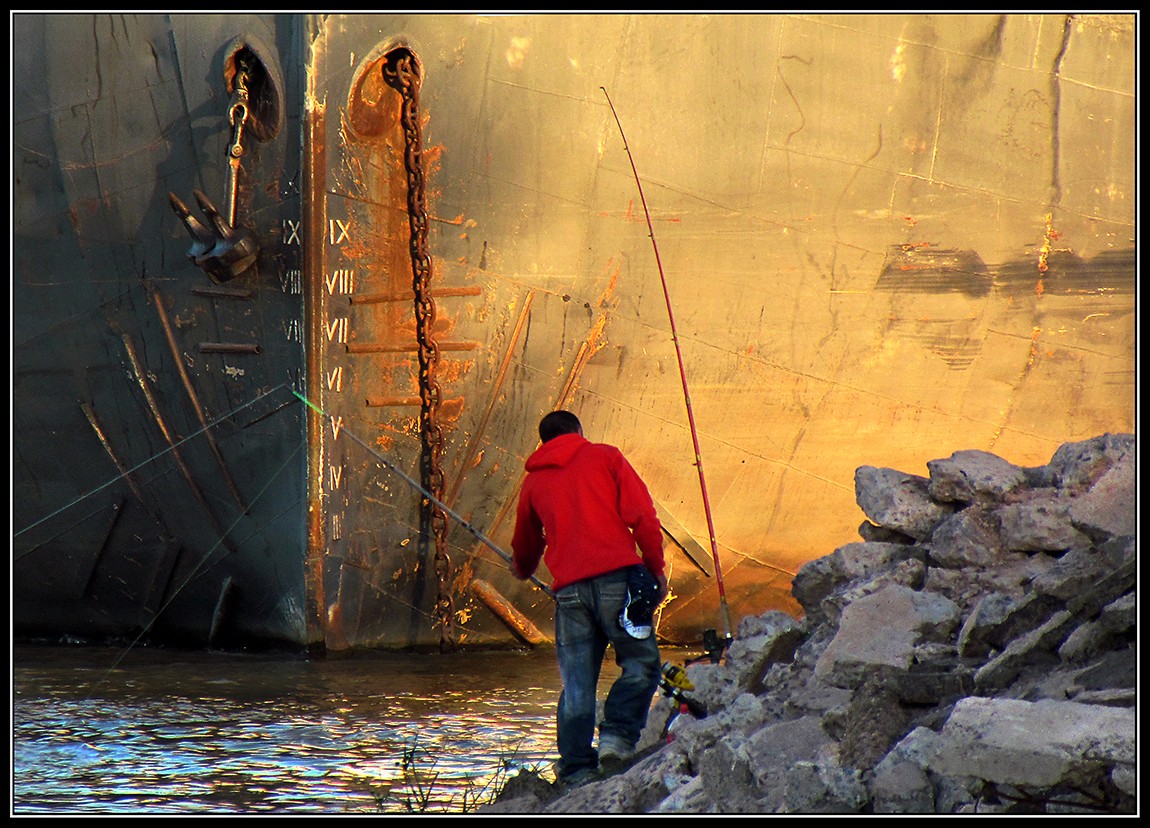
675	684
713	648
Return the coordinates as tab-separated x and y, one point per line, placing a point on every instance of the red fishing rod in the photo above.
724	612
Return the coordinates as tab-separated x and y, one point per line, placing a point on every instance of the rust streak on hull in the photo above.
199	409
497	385
153	406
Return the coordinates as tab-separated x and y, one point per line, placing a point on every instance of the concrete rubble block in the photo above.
823	786
1121	614
987	617
931	683
1081	568
1032	744
1004	623
775	748
642	787
1040	524
1013	575
900	783
997	673
1122	578
899	501
1110	508
1113	671
855	561
715	686
1125	779
1078	465
1085	641
1115	623
696	736
881	630
909	573
726	770
762	641
868	725
973	475
880	534
744	715
816	698
694	797
811	584
967	538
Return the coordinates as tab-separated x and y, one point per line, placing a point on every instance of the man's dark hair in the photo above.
557	423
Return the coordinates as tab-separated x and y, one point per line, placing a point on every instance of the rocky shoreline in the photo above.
975	652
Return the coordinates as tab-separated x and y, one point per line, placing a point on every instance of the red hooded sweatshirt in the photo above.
584	504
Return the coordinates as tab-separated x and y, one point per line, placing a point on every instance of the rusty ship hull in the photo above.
884	238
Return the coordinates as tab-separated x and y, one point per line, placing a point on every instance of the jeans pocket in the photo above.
573	622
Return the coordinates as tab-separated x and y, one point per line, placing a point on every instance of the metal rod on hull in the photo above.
723	609
423	491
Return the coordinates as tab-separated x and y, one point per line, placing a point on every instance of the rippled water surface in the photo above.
101	731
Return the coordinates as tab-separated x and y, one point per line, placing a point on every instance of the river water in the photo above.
143	731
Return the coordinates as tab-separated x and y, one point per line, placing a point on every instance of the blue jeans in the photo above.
586	621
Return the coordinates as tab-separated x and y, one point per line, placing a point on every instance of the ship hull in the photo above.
880	238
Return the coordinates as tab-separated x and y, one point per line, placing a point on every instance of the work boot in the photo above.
580	777
613	752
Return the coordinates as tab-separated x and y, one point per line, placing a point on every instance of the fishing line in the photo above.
724	611
199	565
415	485
155	456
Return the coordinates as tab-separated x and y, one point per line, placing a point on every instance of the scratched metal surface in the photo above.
885	237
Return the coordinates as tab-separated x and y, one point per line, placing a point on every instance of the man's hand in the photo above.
664	589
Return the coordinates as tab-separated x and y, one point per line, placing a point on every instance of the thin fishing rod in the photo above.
415	485
724	611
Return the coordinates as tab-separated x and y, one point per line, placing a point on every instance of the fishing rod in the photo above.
725	613
415	485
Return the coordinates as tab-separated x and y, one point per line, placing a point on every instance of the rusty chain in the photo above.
401	73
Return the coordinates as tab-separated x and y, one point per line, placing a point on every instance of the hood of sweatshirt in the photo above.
556	452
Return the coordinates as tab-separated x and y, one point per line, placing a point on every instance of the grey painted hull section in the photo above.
885	238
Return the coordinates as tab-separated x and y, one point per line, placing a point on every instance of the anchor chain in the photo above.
237	116
401	73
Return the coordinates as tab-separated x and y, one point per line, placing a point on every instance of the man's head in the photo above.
557	423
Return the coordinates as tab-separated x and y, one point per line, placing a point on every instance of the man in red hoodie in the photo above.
583	509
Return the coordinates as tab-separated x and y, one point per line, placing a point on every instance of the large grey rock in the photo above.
823	786
1109	509
818	580
1078	465
997	673
762	642
898	501
909	573
776	748
901	784
968	538
1035	744
1040	523
881	631
972	475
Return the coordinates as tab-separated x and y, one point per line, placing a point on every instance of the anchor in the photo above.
219	248
223	252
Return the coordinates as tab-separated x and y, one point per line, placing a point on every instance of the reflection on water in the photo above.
167	732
